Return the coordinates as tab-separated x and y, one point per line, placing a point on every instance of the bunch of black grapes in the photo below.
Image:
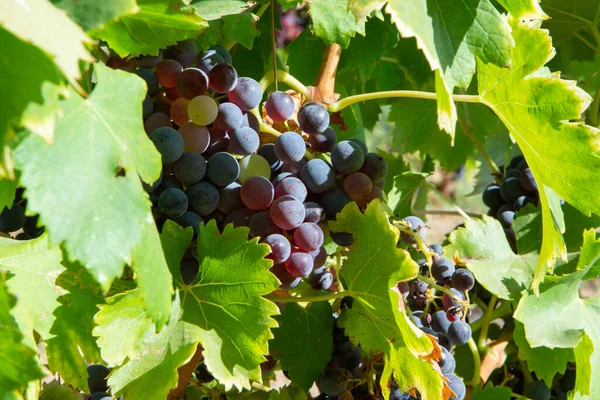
98	384
517	189
201	117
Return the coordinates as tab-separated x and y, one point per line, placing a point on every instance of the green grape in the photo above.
254	165
203	110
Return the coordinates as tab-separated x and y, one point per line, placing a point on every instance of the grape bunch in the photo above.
97	382
517	189
447	318
201	116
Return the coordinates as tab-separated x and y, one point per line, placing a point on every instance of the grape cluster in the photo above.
446	320
517	189
97	382
200	116
14	221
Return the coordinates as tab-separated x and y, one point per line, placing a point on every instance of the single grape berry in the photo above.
333	381
14	218
167	72
192	219
321	280
439	322
279	106
290	147
347	157
240	217
203	198
156	120
418	226
457	386
451	302
334	201
313	212
244	141
447	363
253	165
229	117
323	142
287	212
442	269
191	82
261	225
148	61
247	94
208	60
190	168
222	169
229	198
357	185
291	186
223	78
463	280
318	176
511	190
185	52
150	78
459	332
169	144
375	167
308	237
280	247
173	203
203	110
97	375
257	193
267	151
299	263
195	138
313	118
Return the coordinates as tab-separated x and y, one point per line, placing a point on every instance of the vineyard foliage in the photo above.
486	93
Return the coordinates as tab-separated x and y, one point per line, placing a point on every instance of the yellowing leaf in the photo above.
373	266
526	9
536	106
225	302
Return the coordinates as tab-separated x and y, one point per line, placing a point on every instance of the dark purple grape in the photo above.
319	257
417	225
437	249
290	147
279	106
334	201
361	143
222	169
219	141
447	363
318	176
239	217
287	281
251	121
229	198
191	82
323	142
287	212
439	322
459	333
257	193
313	212
244	141
148	107
247	94
167	72
229	117
450	302
261	225
192	219
267	151
184	52
442	269
208	60
97	378
313	118
190	168
505	215
347	157
223	78
147	61
528	181
169	144
150	78
321	280
299	263
511	190
375	167
463	280
308	237
357	185
293	187
203	198
280	247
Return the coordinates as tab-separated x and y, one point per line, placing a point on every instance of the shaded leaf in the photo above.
333	22
92	14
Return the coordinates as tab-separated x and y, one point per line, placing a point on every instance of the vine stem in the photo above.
348	101
184	374
325	83
487	318
273	44
286	78
434	285
476	380
307	299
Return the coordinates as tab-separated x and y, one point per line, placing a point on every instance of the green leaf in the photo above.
240	28
20	85
477	31
372	268
415	129
73	346
482	246
215	9
152	274
568	17
583	375
175	241
402	192
543	361
32	20
305	57
35	265
92	14
492	393
303	343
107	132
225	302
535	105
526	9
8	190
19	362
40	119
151	370
560	318
362	8
156	25
333	22
54	391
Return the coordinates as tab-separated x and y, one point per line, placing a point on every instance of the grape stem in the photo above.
420	244
434	285
476	381
348	101
307	299
273	44
487	318
286	78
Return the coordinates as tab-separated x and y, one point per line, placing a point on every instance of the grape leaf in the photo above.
305	57
304	341
215	9
54	390
361	8
7	192
19	363
560	318
47	27
477	30
92	14
20	86
107	132
543	361
401	194
152	273
526	9
482	246
374	321
175	240
333	22
491	392
35	265
73	346
416	130
151	370
40	119
240	28
584	368
225	302
156	25
568	17
535	105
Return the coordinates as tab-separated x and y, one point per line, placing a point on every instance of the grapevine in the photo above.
299	199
